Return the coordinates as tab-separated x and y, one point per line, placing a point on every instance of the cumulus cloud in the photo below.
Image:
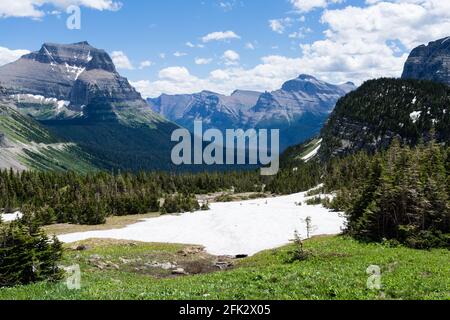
121	60
374	43
33	8
8	55
220	36
231	57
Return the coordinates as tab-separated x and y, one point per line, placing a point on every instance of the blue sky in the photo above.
163	46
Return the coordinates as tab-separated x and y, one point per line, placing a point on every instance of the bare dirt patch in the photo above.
116	222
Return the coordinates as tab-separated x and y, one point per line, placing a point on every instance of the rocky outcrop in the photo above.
430	62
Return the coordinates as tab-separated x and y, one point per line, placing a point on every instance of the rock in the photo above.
429	62
162	265
80	248
191	250
179	271
110	264
125	261
94	257
223	265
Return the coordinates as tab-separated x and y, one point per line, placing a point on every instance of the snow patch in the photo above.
233	228
415	116
11	216
74	70
32	98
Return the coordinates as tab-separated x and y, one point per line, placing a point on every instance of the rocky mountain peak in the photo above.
79	55
429	62
73	73
308	84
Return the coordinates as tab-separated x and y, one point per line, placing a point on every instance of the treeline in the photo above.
53	197
400	195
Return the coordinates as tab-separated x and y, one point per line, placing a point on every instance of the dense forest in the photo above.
371	117
399	195
89	198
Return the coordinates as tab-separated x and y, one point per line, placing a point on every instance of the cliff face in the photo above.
430	62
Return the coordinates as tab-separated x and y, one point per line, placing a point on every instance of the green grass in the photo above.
337	270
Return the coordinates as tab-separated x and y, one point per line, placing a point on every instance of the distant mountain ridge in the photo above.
298	109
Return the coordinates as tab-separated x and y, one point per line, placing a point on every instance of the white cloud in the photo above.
33	8
177	74
227	5
309	5
121	60
374	42
231	57
8	55
280	25
145	64
202	61
249	46
220	36
179	54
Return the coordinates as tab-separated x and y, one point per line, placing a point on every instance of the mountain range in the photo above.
65	107
298	109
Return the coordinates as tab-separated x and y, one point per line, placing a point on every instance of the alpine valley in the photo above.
357	208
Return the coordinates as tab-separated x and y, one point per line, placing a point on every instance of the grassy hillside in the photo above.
119	146
25	144
336	270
